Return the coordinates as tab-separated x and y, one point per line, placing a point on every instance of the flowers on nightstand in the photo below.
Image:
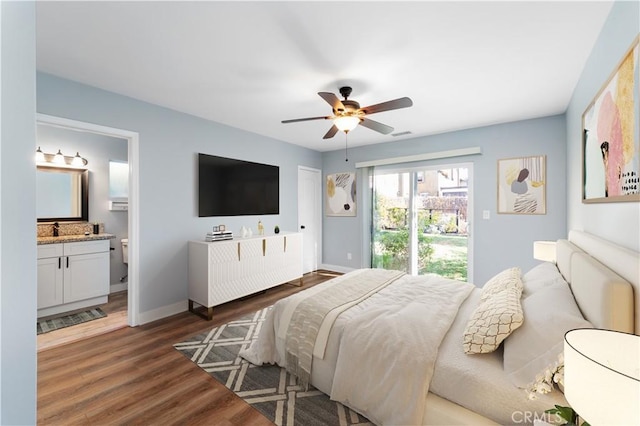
552	376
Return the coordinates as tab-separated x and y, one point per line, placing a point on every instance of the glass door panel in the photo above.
419	221
390	227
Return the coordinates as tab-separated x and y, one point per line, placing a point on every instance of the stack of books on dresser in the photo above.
219	236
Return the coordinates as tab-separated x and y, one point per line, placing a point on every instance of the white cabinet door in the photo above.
50	272
86	276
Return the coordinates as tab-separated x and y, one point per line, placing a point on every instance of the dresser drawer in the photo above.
86	247
49	250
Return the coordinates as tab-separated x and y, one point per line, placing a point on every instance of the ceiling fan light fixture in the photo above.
346	123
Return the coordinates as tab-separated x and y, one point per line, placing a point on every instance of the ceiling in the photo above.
251	65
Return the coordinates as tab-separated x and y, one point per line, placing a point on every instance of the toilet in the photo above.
125	255
125	250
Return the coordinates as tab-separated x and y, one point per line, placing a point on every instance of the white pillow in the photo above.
539	277
550	312
509	278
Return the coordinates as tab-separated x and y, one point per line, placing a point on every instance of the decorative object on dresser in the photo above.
611	161
522	185
218	235
227	270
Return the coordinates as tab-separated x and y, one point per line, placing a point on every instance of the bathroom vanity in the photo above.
73	272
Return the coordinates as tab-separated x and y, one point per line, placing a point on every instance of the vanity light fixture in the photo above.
39	155
59	160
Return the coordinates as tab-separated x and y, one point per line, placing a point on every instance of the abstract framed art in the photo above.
522	185
610	127
341	194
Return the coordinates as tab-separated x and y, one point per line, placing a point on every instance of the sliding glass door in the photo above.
420	220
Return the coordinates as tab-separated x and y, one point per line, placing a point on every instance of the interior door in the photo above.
309	216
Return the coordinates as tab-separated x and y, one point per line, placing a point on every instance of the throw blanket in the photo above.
388	352
311	316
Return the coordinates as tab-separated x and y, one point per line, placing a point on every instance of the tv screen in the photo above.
229	187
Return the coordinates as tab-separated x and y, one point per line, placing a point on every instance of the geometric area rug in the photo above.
45	326
268	388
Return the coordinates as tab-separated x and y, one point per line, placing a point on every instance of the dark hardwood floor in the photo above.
134	376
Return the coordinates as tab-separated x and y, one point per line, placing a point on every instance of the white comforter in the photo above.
388	348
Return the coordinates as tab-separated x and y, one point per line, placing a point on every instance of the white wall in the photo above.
618	222
98	150
502	241
18	215
169	144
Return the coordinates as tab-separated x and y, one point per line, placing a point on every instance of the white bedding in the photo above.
477	382
410	317
387	353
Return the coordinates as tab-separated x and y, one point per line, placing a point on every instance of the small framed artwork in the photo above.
340	197
522	185
610	128
222	228
216	229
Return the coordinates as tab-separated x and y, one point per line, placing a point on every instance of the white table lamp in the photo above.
545	251
602	376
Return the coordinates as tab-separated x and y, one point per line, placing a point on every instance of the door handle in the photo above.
59	262
67	261
302	227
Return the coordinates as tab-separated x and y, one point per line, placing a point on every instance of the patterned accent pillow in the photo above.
494	320
505	279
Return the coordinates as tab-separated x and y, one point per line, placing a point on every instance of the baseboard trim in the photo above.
115	288
163	312
336	268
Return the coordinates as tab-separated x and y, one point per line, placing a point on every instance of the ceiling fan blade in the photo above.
295	120
332	100
374	125
387	106
331	133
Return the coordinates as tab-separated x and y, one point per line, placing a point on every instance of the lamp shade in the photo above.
544	250
346	123
602	376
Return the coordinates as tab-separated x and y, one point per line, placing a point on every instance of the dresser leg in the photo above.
209	311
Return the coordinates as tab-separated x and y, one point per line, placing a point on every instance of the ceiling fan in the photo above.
347	113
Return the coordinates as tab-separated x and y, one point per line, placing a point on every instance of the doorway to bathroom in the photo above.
113	205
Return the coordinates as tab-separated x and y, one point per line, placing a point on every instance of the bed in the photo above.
463	388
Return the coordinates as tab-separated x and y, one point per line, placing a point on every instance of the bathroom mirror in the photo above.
62	195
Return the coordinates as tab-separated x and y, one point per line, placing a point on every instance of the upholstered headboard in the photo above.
604	279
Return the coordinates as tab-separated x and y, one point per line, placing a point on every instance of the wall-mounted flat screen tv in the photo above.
229	187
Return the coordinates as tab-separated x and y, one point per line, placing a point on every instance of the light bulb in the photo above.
58	158
346	123
39	156
77	160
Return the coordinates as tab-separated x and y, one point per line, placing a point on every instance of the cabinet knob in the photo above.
302	227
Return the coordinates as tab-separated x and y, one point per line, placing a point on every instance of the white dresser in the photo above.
222	271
